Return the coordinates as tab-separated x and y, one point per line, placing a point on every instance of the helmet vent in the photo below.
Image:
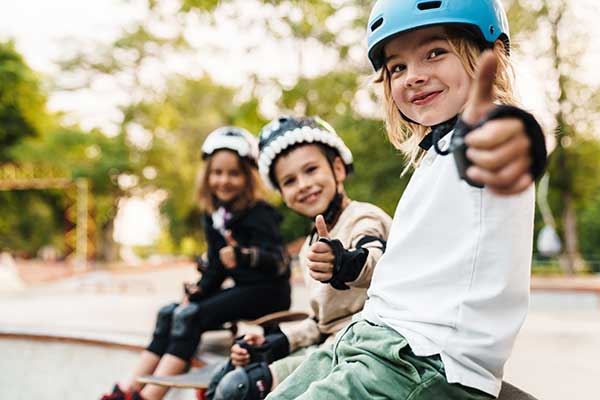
429	5
376	24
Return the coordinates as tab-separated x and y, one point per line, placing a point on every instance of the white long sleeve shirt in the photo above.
454	279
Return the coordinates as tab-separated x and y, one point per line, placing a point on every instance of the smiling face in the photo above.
306	180
226	180
429	84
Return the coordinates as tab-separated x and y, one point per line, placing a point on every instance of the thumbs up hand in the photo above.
499	149
320	256
227	253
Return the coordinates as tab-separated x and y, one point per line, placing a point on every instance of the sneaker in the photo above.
116	394
135	395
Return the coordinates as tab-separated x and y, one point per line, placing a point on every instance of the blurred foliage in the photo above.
91	155
574	166
180	120
174	117
22	100
589	232
28	219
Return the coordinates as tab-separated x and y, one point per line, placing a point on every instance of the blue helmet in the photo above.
391	17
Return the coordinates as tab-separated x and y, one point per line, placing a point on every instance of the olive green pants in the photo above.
284	367
371	362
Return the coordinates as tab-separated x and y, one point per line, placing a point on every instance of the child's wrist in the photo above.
531	127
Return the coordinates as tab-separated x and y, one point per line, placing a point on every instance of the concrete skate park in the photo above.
68	335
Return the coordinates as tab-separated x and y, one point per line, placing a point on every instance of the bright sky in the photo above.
39	26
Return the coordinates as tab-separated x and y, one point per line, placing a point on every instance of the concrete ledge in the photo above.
125	342
589	284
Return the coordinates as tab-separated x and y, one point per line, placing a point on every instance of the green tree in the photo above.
589	233
27	218
574	166
22	100
179	121
91	155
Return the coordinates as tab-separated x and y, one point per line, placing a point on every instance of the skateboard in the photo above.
276	318
199	378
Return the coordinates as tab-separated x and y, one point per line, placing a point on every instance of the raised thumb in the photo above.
229	239
481	98
321	227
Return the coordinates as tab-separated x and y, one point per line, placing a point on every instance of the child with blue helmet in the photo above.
450	294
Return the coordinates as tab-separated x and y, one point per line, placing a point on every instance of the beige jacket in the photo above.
332	309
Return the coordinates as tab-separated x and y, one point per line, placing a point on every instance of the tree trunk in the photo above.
570	260
108	249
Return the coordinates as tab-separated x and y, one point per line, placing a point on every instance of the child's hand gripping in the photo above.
320	256
227	253
191	291
240	357
500	148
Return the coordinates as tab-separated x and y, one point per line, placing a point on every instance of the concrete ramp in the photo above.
36	365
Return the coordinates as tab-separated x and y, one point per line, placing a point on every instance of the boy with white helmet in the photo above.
307	162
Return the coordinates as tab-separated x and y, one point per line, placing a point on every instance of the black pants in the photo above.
179	328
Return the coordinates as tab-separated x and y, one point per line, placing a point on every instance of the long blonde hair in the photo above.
405	135
254	191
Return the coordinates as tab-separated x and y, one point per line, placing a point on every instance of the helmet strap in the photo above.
438	131
334	209
332	213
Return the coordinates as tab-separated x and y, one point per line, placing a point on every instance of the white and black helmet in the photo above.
287	131
231	138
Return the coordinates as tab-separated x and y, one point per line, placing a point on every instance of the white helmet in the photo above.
286	131
231	138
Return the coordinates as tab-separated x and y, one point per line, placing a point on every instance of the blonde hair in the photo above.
405	135
255	189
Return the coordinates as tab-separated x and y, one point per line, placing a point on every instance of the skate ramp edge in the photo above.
45	364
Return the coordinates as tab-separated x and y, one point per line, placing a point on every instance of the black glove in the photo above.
275	347
532	128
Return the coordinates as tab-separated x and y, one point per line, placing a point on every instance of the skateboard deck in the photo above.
197	378
277	318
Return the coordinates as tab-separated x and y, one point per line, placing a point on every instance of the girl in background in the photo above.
244	243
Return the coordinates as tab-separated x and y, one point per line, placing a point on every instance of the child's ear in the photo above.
339	170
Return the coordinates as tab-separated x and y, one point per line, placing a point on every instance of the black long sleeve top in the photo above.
261	255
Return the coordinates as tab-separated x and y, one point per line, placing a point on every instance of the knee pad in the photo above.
163	319
183	320
216	379
249	383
